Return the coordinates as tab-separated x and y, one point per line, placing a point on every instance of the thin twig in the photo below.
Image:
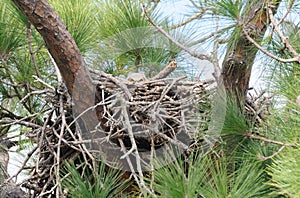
116	81
283	39
166	71
173	40
32	53
273	155
249	135
290	60
188	20
28	157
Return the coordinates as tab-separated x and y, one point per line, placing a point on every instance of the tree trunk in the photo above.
58	41
67	56
240	55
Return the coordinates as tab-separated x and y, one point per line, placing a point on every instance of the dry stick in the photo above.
212	34
165	91
58	74
68	143
40	143
44	192
116	81
195	16
173	40
89	108
290	60
166	71
134	147
215	61
286	13
62	129
32	54
268	140
123	148
281	36
273	155
24	163
175	142
152	157
195	5
36	92
154	6
37	79
5	123
87	152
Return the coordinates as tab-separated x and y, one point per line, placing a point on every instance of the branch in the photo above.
249	135
290	60
167	35
280	34
114	80
273	155
59	42
195	16
166	71
28	33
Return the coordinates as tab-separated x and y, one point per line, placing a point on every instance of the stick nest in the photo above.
137	118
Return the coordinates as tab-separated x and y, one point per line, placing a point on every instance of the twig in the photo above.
58	74
133	145
215	61
133	172
32	54
62	129
37	79
201	40
167	35
290	60
165	91
37	92
273	155
5	123
154	6
188	20
287	12
29	155
249	135
166	71
281	36
194	4
116	81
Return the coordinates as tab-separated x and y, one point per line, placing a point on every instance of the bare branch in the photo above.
166	71
273	155
249	135
188	20
32	53
290	60
173	40
282	37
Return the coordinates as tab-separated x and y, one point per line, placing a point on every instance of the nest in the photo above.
137	120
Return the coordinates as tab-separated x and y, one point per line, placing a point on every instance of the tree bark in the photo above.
66	55
241	54
58	41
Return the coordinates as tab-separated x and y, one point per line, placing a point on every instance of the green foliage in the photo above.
228	8
236	125
12	29
285	173
105	183
79	18
128	42
208	176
